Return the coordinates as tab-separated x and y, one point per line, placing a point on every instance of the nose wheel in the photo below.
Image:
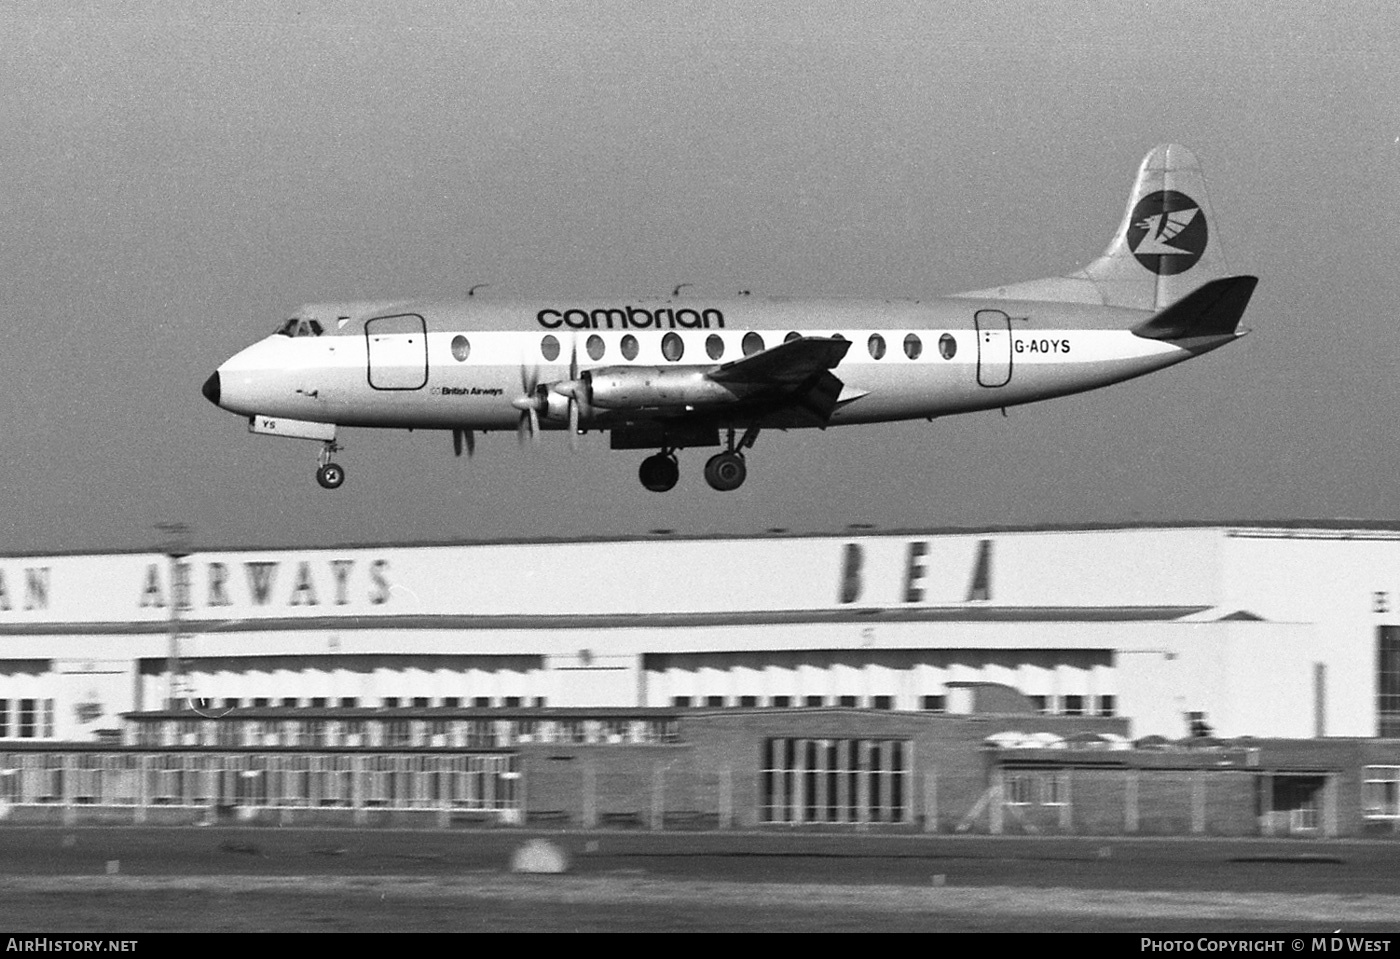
329	475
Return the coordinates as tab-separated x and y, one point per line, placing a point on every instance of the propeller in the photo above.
573	398
529	405
461	436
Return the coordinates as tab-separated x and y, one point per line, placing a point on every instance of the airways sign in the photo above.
274	584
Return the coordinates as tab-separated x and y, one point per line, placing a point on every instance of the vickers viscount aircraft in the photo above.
690	371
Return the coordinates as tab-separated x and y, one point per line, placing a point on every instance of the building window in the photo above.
1108	706
259	702
714	701
318	702
26	719
1388	681
390	702
849	702
780	702
1018	789
482	702
451	702
934	704
232	703
882	702
4	718
512	702
290	702
748	702
813	701
398	732
48	719
1380	792
1041	704
681	701
1074	705
834	781
421	702
349	702
539	702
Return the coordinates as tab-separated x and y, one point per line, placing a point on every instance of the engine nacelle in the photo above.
647	387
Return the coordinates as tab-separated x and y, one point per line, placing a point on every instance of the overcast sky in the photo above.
175	178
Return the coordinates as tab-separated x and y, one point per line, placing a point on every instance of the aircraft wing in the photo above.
786	365
792	381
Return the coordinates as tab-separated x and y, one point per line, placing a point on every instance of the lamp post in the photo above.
176	548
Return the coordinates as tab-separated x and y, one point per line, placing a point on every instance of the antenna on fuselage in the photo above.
472	291
679	287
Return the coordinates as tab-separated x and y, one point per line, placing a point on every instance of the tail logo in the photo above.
1167	232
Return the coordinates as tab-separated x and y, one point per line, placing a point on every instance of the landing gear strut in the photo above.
659	472
726	471
329	475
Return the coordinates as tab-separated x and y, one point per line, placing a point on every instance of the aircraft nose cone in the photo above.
210	389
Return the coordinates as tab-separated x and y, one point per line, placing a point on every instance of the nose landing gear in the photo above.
329	475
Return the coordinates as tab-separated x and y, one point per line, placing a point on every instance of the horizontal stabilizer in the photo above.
1213	309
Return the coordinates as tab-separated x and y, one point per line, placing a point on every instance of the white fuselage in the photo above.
466	367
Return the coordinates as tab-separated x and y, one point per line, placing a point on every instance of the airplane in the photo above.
684	371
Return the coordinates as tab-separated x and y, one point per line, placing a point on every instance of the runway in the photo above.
214	879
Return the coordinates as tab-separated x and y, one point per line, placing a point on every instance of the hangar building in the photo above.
1268	630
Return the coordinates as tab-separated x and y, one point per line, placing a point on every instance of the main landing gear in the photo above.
660	472
724	471
329	475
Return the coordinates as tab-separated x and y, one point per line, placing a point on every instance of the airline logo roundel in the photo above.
1167	232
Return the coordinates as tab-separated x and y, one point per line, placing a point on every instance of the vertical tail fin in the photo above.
1167	244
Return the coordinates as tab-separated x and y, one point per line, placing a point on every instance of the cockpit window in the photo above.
297	326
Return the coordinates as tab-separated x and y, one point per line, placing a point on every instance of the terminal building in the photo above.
1270	630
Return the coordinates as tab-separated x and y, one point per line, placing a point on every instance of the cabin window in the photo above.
629	347
913	346
672	347
714	346
792	336
877	346
948	346
461	349
549	348
595	347
753	343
